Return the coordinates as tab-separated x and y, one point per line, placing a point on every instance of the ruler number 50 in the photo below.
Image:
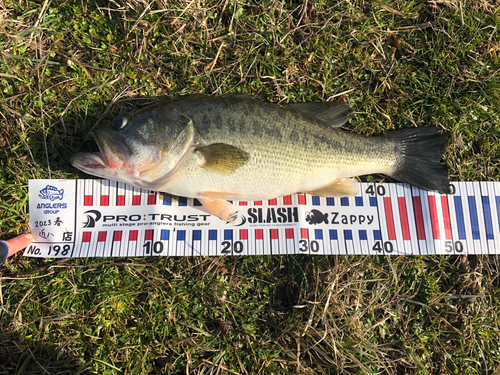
449	246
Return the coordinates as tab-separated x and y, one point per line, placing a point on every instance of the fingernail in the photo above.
28	236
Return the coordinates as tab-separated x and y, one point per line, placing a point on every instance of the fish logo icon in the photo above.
93	216
314	217
51	192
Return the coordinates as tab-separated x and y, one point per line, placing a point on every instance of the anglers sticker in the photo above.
102	218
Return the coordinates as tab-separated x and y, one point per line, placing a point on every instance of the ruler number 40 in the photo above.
387	246
372	190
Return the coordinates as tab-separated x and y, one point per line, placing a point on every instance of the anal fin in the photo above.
341	187
220	208
219	194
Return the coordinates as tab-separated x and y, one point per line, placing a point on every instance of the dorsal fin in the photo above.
333	114
240	95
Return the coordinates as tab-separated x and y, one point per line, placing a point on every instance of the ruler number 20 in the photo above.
227	248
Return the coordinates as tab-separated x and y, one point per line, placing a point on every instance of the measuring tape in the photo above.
102	218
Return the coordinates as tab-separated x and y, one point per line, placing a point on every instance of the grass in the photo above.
66	67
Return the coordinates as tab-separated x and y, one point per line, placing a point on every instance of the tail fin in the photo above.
420	151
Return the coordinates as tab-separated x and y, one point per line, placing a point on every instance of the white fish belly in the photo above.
254	181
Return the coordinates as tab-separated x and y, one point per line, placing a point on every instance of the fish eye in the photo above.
119	123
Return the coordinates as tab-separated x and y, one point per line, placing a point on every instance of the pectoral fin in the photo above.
222	158
220	208
342	187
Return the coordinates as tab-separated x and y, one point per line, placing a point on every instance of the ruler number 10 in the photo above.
157	247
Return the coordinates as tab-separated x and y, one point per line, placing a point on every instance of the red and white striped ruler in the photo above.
101	218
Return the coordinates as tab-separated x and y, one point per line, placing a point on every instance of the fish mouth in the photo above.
112	155
89	161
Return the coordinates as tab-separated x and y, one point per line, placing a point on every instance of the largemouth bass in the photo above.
239	148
